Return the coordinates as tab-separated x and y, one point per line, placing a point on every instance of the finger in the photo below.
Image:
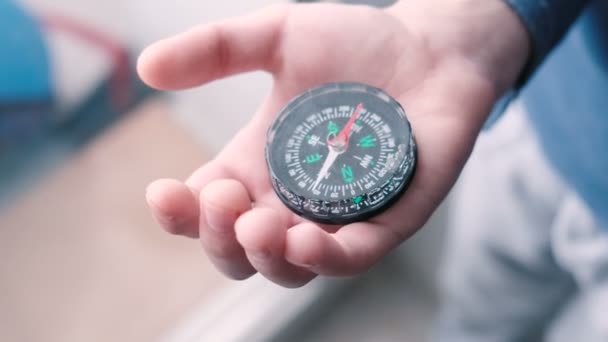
174	207
262	233
351	250
221	203
214	51
213	170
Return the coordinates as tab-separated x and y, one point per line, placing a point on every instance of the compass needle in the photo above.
329	161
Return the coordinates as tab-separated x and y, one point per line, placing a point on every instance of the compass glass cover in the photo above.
341	152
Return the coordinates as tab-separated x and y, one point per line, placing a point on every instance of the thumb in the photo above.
214	51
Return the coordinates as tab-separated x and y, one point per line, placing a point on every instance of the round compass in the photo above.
340	153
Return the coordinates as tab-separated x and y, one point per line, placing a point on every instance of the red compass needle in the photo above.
345	132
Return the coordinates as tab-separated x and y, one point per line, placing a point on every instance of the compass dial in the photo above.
340	153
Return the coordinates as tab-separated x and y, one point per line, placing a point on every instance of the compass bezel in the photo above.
337	211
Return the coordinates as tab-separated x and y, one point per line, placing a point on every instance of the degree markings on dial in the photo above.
303	132
366	178
376	123
384	141
301	174
366	120
310	186
378	131
345	111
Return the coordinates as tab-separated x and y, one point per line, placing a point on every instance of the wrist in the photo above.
488	34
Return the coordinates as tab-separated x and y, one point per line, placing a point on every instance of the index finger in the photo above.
214	51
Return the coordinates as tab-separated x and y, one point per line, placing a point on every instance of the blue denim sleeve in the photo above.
546	21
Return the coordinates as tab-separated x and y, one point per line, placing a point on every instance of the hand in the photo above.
445	63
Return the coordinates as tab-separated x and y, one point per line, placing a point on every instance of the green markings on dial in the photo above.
358	199
347	174
312	158
333	128
367	141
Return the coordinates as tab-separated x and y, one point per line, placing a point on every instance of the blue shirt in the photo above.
565	91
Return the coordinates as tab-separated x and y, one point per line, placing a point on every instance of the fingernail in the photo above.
166	220
259	254
219	220
302	264
171	221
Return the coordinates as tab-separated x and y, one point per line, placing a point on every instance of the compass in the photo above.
340	153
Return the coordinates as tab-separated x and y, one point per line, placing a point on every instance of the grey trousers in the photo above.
524	259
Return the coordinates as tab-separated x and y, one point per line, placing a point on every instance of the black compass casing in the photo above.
326	184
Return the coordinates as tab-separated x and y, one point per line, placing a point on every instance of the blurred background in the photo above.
81	137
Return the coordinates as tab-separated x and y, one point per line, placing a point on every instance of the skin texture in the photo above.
445	61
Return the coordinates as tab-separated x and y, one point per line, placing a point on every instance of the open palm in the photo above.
229	203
